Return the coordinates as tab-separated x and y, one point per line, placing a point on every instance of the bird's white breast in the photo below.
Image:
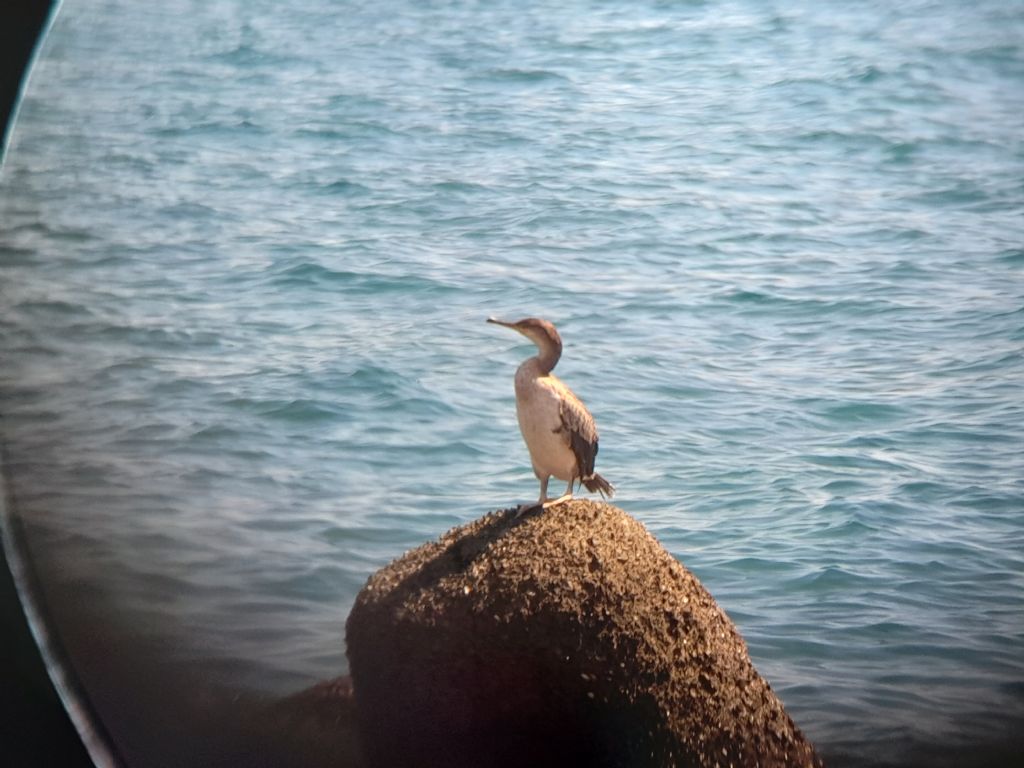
538	406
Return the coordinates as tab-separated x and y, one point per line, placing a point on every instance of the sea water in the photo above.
247	249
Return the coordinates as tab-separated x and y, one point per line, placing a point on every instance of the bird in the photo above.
557	428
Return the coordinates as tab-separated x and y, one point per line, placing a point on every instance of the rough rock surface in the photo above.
565	637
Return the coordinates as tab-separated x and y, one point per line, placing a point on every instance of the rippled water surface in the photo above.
247	250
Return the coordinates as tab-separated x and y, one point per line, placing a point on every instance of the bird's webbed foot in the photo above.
549	503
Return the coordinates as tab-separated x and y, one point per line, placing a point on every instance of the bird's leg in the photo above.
567	496
541	501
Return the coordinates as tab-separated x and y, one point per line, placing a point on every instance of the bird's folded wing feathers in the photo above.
580	432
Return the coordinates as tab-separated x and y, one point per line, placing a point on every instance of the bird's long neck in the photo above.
547	355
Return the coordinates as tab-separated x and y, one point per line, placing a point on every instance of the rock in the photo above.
565	637
311	729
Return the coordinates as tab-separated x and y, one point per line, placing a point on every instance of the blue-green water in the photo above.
247	250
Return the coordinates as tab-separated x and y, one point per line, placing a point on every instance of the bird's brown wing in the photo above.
580	432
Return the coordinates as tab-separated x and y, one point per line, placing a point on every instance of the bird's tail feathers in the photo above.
597	483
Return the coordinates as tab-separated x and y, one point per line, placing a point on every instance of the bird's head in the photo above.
540	332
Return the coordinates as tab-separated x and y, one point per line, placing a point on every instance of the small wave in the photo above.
301	410
844	486
345	187
869	74
314	275
832	578
524	76
248	56
461	187
187	210
902	152
347	130
862	412
57	307
849	461
742	296
755	301
215	433
958	194
52	230
228	127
